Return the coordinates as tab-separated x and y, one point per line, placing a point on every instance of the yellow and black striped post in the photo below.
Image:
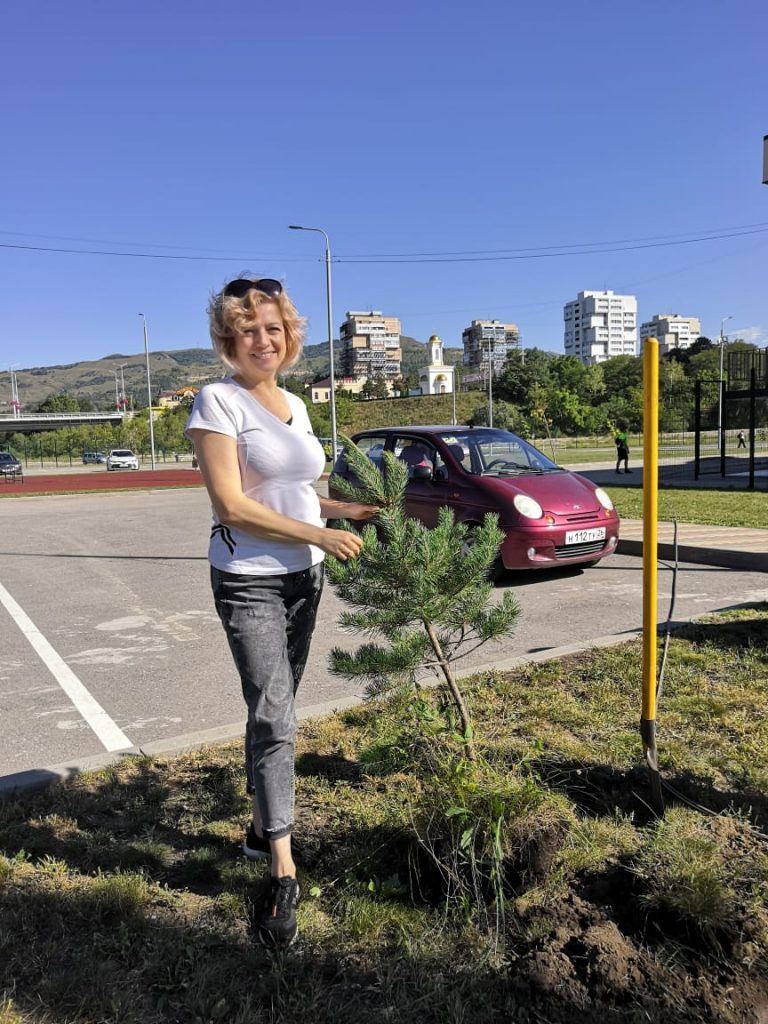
650	560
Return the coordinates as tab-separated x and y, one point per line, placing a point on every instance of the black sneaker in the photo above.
256	847
277	924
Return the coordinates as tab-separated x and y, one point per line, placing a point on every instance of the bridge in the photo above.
33	423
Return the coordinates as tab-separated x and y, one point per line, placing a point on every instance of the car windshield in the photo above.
488	452
6	457
123	454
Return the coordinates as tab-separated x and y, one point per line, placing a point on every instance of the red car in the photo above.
551	517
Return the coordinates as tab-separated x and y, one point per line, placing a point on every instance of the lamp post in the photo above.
149	393
490	382
117	392
720	397
299	227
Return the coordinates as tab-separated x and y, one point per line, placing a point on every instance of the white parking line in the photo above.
94	714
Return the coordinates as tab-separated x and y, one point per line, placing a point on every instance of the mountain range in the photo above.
96	379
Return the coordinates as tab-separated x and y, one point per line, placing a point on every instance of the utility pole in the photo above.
319	231
15	403
123	399
490	382
149	393
721	395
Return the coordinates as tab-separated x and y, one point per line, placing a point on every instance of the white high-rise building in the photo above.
599	325
671	330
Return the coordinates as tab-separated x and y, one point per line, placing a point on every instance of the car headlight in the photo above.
604	498
527	506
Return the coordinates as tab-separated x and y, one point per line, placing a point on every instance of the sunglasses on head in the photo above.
242	285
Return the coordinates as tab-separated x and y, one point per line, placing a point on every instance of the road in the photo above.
109	632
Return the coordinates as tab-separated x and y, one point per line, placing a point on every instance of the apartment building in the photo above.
600	325
484	336
370	345
671	330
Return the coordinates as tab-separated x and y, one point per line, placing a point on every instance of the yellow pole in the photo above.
650	558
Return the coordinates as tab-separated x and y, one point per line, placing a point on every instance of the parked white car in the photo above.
122	458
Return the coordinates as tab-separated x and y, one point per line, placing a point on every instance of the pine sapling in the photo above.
422	596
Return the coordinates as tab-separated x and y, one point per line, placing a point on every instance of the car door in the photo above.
424	496
370	445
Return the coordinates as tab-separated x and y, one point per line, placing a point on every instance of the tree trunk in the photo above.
461	707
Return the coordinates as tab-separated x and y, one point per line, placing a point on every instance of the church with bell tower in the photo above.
437	378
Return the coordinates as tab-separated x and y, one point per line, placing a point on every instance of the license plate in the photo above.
585	536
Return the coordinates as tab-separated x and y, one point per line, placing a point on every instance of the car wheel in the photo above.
496	571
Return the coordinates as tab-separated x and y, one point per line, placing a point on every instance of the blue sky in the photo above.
204	129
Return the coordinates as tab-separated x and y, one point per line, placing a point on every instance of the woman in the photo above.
259	460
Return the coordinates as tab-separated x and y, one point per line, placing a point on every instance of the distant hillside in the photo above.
95	379
434	409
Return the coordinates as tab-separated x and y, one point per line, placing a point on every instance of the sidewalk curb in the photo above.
41	778
727	558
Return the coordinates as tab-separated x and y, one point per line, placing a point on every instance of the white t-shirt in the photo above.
279	463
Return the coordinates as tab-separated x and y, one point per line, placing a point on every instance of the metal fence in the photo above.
708	429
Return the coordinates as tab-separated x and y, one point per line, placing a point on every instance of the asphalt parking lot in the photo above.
109	635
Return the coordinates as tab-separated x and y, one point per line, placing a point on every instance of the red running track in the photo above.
116	481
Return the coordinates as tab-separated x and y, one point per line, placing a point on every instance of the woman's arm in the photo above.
217	456
332	509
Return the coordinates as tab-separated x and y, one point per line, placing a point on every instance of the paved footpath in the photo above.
728	546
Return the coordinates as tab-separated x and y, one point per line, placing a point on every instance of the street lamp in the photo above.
149	393
299	227
720	399
117	392
490	382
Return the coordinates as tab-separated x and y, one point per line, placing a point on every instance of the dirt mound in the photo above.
585	967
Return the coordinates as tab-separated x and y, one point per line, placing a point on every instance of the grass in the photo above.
123	897
705	507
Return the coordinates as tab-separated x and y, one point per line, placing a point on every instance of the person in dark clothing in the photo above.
742	441
622	446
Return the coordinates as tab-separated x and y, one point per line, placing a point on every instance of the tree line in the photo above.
536	392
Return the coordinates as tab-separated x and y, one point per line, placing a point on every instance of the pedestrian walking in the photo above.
259	460
741	439
622	446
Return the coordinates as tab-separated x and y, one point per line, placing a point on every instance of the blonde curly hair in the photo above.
230	314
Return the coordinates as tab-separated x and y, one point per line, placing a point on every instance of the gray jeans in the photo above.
269	622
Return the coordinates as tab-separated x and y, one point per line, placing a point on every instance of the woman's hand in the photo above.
341	543
354	510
